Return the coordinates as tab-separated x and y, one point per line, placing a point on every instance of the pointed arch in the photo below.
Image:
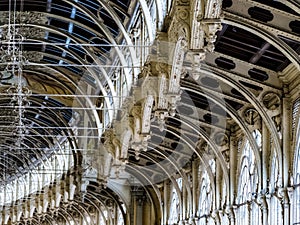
248	183
174	213
275	205
205	199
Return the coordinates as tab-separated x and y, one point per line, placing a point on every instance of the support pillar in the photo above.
231	215
194	188
264	209
286	128
265	173
138	204
233	161
286	138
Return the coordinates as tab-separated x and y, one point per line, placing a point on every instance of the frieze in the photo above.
23	18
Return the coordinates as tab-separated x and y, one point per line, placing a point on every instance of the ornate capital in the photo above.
261	200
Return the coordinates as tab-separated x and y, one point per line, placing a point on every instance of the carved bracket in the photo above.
205	23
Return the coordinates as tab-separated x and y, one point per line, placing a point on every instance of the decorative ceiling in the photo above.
66	71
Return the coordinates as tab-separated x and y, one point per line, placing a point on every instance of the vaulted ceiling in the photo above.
61	85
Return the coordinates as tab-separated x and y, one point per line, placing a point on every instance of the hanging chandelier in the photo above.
14	60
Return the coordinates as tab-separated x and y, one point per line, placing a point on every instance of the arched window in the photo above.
256	213
205	200
248	181
174	205
274	173
120	217
244	192
257	136
224	216
275	206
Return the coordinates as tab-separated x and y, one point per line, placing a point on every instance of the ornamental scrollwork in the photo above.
24	18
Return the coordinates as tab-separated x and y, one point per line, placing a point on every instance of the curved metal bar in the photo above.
47	220
233	114
176	186
211	143
46	157
147	180
37	140
66	211
71	81
147	18
51	218
293	4
91	194
52	29
203	134
38	152
64	85
67	215
174	164
100	212
62	213
77	210
21	160
255	103
160	16
107	32
86	213
112	197
114	15
54	120
54	221
188	143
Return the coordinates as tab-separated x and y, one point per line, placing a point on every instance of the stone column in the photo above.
166	189
264	209
285	204
231	215
217	203
249	208
231	193
286	131
139	210
216	217
184	201
286	140
290	192
194	188
138	198
265	173
233	159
